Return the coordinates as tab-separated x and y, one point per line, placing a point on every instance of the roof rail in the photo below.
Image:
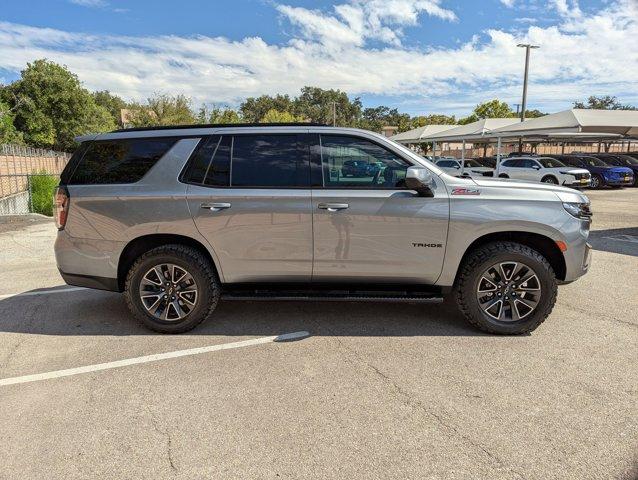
220	125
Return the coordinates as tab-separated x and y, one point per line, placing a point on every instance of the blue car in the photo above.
620	160
602	173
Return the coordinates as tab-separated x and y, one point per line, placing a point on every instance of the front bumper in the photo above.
572	182
619	182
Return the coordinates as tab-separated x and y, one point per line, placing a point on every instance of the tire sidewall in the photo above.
206	293
548	292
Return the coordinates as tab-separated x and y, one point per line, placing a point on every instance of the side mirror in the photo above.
420	179
536	167
457	166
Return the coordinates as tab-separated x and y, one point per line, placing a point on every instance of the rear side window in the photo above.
119	161
511	163
211	163
269	161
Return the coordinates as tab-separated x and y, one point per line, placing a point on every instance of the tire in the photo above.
597	182
471	275
549	179
185	259
503	175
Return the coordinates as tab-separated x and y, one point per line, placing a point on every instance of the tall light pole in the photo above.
527	47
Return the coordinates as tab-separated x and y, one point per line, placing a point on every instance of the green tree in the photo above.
254	109
606	102
163	109
492	109
434	119
8	132
377	117
275	116
52	108
317	105
112	103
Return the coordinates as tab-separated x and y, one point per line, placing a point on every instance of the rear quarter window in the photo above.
119	161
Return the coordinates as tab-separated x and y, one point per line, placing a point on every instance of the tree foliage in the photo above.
491	109
8	132
163	109
52	108
606	102
318	105
275	116
254	109
110	102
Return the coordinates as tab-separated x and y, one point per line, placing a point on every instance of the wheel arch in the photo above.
138	246
550	175
541	243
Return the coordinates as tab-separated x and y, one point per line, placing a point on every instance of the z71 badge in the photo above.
466	191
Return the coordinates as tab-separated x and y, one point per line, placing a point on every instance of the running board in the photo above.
334	298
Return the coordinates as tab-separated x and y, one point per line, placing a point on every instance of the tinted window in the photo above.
550	162
119	161
592	162
211	163
472	163
378	167
511	163
572	161
527	163
66	174
447	164
269	161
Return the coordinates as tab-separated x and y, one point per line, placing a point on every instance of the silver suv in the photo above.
177	218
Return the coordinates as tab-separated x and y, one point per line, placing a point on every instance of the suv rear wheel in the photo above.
172	288
506	288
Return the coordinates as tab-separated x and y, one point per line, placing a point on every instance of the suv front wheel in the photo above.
172	288
506	288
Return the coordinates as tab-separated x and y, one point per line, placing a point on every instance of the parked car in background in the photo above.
489	162
472	168
521	154
602	174
620	161
545	170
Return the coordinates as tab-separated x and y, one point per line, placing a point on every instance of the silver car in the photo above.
179	218
545	170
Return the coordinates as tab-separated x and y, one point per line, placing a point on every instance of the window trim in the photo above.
363	187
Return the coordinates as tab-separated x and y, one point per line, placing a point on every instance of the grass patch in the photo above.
42	186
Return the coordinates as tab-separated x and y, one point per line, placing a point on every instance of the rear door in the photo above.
249	195
372	228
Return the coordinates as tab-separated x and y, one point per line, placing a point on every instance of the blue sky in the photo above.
422	56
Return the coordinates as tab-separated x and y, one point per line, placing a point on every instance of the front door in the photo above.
250	198
372	228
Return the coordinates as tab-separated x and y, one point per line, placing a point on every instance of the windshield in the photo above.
550	162
472	163
594	162
627	160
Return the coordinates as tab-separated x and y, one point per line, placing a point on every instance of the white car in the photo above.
471	169
544	169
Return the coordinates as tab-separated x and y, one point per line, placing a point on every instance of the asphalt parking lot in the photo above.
376	391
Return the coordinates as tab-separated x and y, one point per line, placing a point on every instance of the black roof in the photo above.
220	125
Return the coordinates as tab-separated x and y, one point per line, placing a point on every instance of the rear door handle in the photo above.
215	207
333	207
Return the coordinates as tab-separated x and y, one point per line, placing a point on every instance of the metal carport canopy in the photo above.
472	131
415	135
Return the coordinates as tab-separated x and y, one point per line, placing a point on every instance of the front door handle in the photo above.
333	207
215	207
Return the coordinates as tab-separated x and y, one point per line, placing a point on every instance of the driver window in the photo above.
358	163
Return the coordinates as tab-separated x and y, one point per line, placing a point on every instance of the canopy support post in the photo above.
498	157
434	149
563	149
463	158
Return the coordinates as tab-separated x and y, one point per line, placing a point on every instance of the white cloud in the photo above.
508	3
576	59
359	20
90	3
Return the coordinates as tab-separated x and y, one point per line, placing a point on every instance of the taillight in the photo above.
61	206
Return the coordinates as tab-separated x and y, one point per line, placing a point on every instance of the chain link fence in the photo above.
27	179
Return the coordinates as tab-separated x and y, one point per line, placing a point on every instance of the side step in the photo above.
411	297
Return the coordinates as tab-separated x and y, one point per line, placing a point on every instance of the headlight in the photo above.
578	210
567	173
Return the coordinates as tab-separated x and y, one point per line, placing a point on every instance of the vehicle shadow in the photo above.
91	312
615	240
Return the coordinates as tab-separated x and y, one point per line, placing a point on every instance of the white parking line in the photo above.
151	358
42	292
